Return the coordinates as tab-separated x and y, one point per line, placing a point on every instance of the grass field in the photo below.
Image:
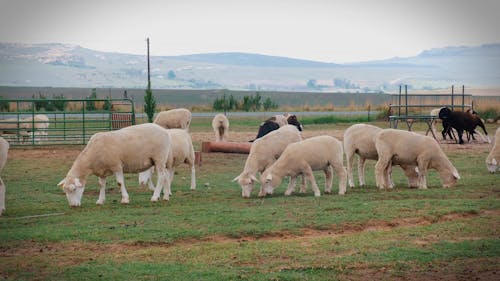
214	234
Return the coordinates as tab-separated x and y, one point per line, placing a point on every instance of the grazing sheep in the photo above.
182	152
38	124
178	118
494	155
304	157
461	121
12	126
359	139
132	149
275	122
263	153
4	151
26	127
220	124
407	148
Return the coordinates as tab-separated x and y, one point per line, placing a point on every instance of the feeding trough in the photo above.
226	147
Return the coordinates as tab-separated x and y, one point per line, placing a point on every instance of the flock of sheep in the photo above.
278	151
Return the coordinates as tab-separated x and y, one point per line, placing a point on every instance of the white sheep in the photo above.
182	152
132	149
304	157
37	124
359	139
494	155
178	118
435	114
263	153
220	124
407	148
4	151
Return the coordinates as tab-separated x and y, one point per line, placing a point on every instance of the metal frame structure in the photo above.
402	110
73	125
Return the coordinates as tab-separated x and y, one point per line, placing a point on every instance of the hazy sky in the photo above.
323	30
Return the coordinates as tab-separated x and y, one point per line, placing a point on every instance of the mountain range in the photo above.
62	65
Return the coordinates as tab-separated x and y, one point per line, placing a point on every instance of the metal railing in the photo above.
27	122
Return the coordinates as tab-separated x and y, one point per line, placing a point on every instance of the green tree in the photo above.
107	105
256	102
59	103
90	104
149	103
4	105
269	104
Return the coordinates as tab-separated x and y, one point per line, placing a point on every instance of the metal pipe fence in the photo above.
31	122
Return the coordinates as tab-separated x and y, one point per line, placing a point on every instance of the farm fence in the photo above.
31	122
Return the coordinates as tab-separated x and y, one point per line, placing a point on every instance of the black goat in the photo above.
460	121
270	125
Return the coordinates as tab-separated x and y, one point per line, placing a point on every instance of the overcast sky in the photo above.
322	30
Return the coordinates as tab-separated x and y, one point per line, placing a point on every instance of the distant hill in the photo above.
61	65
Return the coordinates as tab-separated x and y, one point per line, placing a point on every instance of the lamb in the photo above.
263	153
132	149
407	148
358	139
182	152
304	157
220	124
461	121
4	151
446	129
494	155
275	122
175	118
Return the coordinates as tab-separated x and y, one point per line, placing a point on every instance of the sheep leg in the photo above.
361	170
121	182
170	180
162	181
2	196
350	164
303	185
342	174
422	171
380	171
328	179
102	191
388	177
291	186
193	174
308	173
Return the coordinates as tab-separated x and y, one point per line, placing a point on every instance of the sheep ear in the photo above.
236	178
269	177
456	175
254	178
61	183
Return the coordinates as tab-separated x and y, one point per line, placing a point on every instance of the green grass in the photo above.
214	234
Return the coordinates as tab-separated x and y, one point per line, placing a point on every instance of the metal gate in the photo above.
29	122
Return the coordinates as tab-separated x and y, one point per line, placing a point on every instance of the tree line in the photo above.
246	103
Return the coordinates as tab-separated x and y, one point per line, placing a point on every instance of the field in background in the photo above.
214	234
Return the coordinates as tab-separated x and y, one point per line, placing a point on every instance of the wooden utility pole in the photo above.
149	79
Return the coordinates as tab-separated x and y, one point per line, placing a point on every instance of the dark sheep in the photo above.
270	125
460	121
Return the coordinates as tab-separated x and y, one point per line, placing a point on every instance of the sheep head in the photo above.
246	181
73	188
444	113
450	179
269	182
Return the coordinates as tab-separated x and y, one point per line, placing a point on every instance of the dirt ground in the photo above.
72	151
